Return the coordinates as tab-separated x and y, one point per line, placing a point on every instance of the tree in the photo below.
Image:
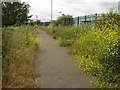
64	20
13	12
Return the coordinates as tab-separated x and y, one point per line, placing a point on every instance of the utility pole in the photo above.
119	7
51	12
59	13
51	9
36	17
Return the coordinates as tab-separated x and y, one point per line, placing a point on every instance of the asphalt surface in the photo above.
56	66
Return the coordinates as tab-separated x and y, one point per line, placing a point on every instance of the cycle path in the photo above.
56	66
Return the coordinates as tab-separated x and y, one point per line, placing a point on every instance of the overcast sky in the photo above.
72	7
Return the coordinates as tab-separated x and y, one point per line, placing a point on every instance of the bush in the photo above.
64	20
18	23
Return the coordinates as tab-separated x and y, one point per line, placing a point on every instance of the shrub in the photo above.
64	20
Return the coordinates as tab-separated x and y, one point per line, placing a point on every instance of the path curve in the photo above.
56	66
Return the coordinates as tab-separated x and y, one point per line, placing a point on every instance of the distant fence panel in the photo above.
77	21
85	20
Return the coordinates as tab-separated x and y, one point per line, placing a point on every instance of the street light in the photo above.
59	13
36	17
119	7
51	9
51	12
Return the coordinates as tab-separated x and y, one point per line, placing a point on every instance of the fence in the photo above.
85	20
77	21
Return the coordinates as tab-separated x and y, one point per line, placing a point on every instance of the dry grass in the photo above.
24	77
18	69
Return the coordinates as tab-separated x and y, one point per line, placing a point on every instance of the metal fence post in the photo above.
85	20
77	21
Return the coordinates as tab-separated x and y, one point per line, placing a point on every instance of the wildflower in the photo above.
36	50
17	47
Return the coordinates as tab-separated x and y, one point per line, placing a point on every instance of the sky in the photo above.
42	8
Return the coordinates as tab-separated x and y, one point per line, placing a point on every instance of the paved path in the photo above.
56	66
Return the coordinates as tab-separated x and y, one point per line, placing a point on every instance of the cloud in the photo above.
73	7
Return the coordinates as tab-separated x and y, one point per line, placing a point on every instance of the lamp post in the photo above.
36	17
51	12
51	9
59	13
119	7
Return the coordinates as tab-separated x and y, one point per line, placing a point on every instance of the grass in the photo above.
18	45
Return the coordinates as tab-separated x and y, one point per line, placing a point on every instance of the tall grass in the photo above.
18	46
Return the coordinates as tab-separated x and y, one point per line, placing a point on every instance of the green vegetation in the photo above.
37	22
15	13
43	27
64	20
96	48
20	46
